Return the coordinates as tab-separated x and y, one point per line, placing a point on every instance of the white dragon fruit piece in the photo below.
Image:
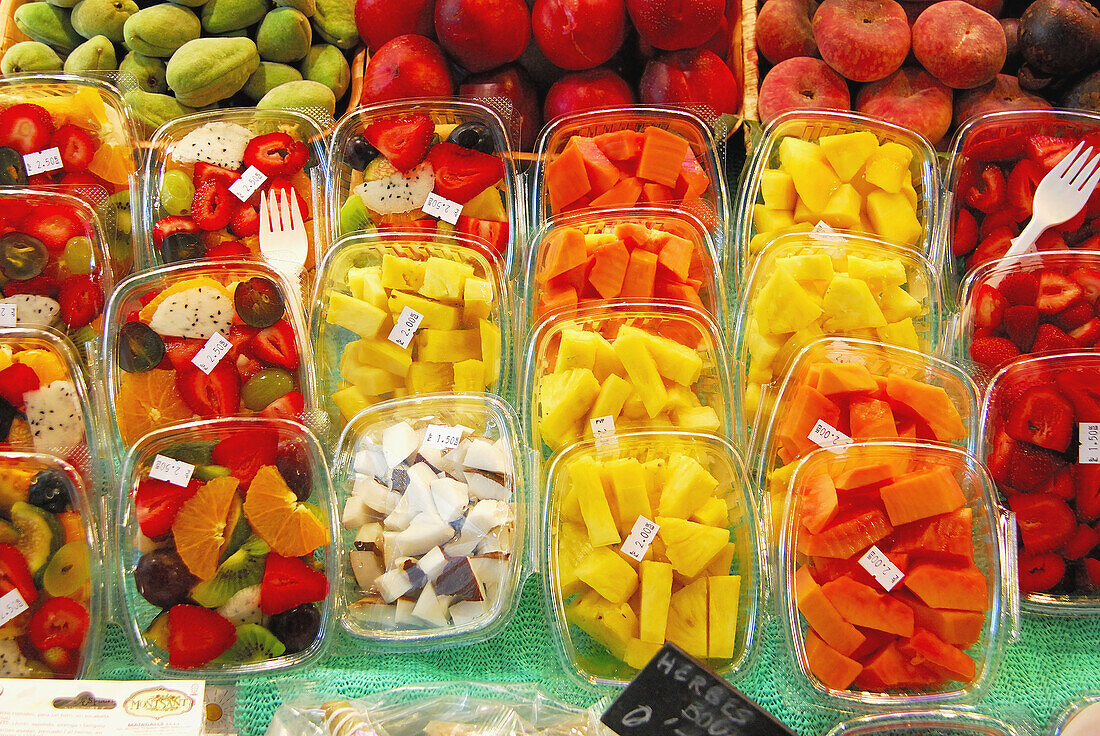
54	416
398	192
217	143
33	310
12	661
243	607
197	312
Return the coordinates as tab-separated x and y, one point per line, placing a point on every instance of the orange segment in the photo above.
147	401
45	363
199	529
289	528
111	163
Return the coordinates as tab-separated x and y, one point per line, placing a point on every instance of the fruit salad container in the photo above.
639	253
805	286
848	171
896	569
407	312
1039	432
651	537
435	166
224	548
72	132
840	390
434	509
933	722
1080	717
205	174
204	340
997	161
625	367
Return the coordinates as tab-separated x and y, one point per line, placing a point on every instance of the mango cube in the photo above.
842	209
426	377
848	152
893	217
888	167
813	178
777	189
767	220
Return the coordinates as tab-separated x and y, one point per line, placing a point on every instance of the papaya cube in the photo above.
624	194
896	304
469	375
924	647
602	174
864	475
611	624
888	167
947	536
663	154
832	668
689	546
576	349
724	592
607	573
675	361
632	349
608	269
959	628
941	586
565	399
490	350
629	491
447	346
698	419
723	561
843	208
871	418
687	619
822	615
844	378
849	534
656	594
639	652
919	495
689	485
712	512
929	402
813	178
381	353
436	314
350	401
806	408
595	508
819	503
767	220
862	605
566	179
849	305
777	189
890	669
402	274
425	378
848	152
641	275
903	334
614	392
783	305
362	318
893	217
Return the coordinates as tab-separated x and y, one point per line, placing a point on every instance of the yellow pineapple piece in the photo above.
698	419
849	305
675	361
638	653
888	167
690	547
448	346
713	512
767	220
573	546
762	348
842	209
896	304
681	398
490	350
633	408
469	375
722	561
595	508
565	400
893	217
5	357
656	475
688	487
487	205
437	315
425	377
751	400
632	349
607	573
777	189
656	592
366	284
576	349
445	279
370	380
609	403
628	489
477	299
813	178
807	267
724	593
880	274
687	618
783	305
350	401
402	274
606	362
611	624
847	152
902	334
381	353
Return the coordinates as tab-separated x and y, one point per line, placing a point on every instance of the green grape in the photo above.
266	387
176	192
78	255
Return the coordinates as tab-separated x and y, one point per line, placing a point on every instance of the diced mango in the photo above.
893	217
813	178
842	209
888	166
777	189
848	152
767	220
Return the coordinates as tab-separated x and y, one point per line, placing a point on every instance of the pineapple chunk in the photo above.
808	267
490	350
607	362
639	652
576	349
849	305
633	408
381	353
445	279
767	220
366	284
713	512
879	274
613	394
628	488
847	152
436	315
573	546
607	573
370	380
448	346
632	349
469	375
902	334
777	189
688	487
362	318
477	298
762	348
354	280
487	205
655	598
813	178
896	304
426	378
888	167
842	209
403	274
565	399
687	619
595	509
656	475
610	624
689	546
681	398
722	561
350	401
893	217
725	591
698	418
675	361
783	306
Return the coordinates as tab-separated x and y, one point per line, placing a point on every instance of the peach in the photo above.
802	83
863	40
1003	93
483	34
784	29
587	90
676	24
960	45
579	34
911	98
690	78
406	66
513	84
380	20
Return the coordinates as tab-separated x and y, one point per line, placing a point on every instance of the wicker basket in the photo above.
9	33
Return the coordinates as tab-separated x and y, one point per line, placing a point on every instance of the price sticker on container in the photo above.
1089	453
247	185
8	315
825	435
878	564
641	536
405	327
42	162
442	437
823	232
171	470
11	605
442	208
213	351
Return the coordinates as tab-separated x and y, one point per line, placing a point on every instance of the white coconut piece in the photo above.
431	608
484	455
399	442
432	563
451	497
467	612
389	548
484	487
487	515
401	516
404	614
375	495
425	531
392	584
355	513
367	567
370	460
369	537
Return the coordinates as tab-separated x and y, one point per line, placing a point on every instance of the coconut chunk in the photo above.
487	515
375	495
492	487
425	531
392	584
366	566
370	460
432	563
399	442
355	513
431	608
404	613
467	612
451	497
485	455
401	516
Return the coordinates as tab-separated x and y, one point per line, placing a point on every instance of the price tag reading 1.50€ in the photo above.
1089	454
442	437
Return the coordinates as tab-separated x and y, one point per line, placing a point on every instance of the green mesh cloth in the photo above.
1055	660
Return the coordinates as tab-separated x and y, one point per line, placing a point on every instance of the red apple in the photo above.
676	24
784	29
482	34
380	20
587	90
1003	93
691	78
863	40
801	83
512	83
911	98
406	66
959	44
579	34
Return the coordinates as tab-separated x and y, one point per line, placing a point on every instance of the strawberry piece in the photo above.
1021	466
289	582
1083	541
247	366
276	154
205	172
171	224
26	128
495	234
64	662
41	285
213	205
76	146
995	220
1072	225
275	345
181	350
197	635
1063	485
1049	338
81	300
989	307
1050	240
995	144
989	192
239	335
1092	573
404	140
15	381
60	622
16	574
54	225
245	222
156	503
463	173
1075	316
1046	522
1088	491
1020	287
994	245
1056	292
214	395
1088	334
88	187
229	249
1047	150
1022	182
1021	323
1043	417
1082	388
966	234
1089	281
1041	572
283	185
992	352
244	453
289	406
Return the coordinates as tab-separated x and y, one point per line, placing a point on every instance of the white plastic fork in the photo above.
283	240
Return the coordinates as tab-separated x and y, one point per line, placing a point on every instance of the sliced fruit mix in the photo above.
434	529
457	346
157	380
199	215
682	591
918	510
231	559
44	555
398	161
39	406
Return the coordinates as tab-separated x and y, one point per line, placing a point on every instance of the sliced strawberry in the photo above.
1092	573
1021	323
404	140
495	234
245	222
1045	522
989	192
181	350
1049	338
1043	417
205	171
1088	334
1021	466
1056	292
283	185
1050	240
1039	573
197	635
995	144
26	128
156	503
1022	182
60	622
1071	226
966	234
1063	485
214	395
995	220
994	245
988	307
289	582
76	146
213	205
1048	150
1083	540
1082	388
289	406
244	453
170	224
88	187
81	300
16	573
276	346
54	225
1020	287
1088	491
229	249
1075	316
42	285
1089	281
463	173
247	366
276	154
239	335
15	381
992	352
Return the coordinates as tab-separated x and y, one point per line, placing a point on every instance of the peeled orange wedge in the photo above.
289	527
200	526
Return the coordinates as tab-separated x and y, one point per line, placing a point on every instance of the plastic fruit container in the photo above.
229	573
997	161
935	722
639	253
853	173
697	584
434	509
458	151
161	342
805	286
862	390
1038	427
598	159
366	284
1081	717
192	201
896	574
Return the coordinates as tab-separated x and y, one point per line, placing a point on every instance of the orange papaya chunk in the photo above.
657	193
662	158
632	234
941	586
693	181
565	252
890	669
805	409
566	178
553	299
845	378
819	504
849	534
862	605
945	536
929	402
678	292
641	272
609	269
863	476
822	615
919	495
958	628
924	647
813	376
602	174
828	665
871	419
675	256
623	194
620	145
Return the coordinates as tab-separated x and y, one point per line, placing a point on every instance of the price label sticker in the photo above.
43	161
823	232
641	536
1089	433
247	185
8	315
825	435
442	208
213	351
878	564
442	437
405	327
603	426
11	605
173	471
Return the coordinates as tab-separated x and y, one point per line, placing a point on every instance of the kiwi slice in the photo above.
207	473
194	453
242	532
254	644
67	570
156	633
38	537
241	569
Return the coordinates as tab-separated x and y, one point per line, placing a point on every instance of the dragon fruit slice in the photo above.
398	192
12	661
217	143
54	416
33	310
197	312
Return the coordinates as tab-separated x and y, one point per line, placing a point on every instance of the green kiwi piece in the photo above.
254	644
38	538
207	473
67	571
242	532
242	568
195	453
156	633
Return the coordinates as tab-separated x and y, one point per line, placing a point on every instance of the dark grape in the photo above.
293	464
22	257
140	349
8	413
297	628
51	490
163	579
12	170
358	152
258	302
182	247
473	135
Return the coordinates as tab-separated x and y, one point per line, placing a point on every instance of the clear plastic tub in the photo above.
368	281
707	543
491	215
996	211
158	321
633	249
699	188
936	722
215	582
803	287
1079	717
434	540
904	562
770	204
1038	430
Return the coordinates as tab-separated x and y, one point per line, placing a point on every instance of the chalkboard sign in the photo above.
675	695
